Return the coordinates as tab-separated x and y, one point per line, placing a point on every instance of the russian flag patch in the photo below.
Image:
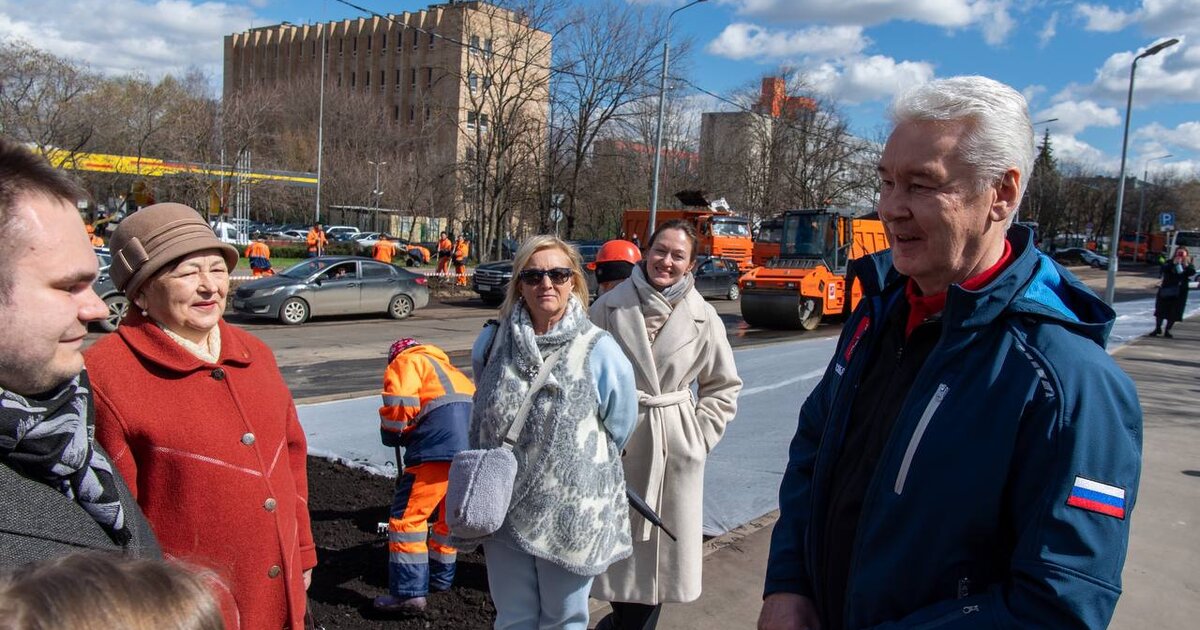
1097	497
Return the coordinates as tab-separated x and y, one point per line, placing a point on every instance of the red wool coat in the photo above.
215	457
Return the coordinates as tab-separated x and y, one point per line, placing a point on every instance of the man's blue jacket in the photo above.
1002	498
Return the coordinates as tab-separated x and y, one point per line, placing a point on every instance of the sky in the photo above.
1070	59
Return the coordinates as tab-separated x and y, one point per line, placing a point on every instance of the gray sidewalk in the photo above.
1162	572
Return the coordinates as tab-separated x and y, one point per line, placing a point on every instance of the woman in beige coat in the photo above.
674	339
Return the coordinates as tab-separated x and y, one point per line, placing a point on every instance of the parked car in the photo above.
1076	256
103	286
491	279
333	285
289	235
341	232
716	277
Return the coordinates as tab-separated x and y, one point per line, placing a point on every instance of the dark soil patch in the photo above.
346	507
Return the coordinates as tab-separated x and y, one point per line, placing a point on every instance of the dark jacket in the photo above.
1171	298
966	523
38	522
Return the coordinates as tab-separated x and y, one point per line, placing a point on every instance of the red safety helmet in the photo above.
617	250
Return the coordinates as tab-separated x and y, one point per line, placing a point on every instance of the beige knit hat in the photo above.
155	236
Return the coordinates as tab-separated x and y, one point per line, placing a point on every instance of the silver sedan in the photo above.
333	285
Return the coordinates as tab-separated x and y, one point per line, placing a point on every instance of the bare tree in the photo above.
40	97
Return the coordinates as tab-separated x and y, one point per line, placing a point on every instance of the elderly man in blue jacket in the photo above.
971	457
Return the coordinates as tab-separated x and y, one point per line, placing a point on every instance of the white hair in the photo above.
1000	134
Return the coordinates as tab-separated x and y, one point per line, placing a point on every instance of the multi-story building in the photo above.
445	72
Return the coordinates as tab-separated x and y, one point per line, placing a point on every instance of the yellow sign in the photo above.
154	167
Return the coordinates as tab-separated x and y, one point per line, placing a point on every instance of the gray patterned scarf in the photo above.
50	440
657	304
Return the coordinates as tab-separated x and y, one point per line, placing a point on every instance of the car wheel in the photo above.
117	305
293	311
734	293
401	307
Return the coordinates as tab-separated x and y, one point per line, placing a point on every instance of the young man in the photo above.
971	457
445	254
426	411
316	241
383	250
58	491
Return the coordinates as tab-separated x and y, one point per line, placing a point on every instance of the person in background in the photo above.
197	413
316	241
95	239
417	255
445	254
383	250
674	339
426	411
59	493
1171	299
568	518
95	591
614	263
461	251
259	255
970	458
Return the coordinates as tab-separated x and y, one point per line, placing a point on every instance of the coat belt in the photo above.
658	449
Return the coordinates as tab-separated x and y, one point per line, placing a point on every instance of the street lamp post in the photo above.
376	193
1110	288
1137	229
662	101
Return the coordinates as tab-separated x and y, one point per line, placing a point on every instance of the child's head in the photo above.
95	591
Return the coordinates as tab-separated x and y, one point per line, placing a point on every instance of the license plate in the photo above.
239	304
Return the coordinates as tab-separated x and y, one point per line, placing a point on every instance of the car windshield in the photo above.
306	268
730	227
770	233
809	235
1190	240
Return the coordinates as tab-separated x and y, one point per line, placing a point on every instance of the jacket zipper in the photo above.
918	433
948	617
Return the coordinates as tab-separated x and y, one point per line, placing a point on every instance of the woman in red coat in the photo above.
199	421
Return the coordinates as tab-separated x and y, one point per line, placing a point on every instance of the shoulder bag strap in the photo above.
514	431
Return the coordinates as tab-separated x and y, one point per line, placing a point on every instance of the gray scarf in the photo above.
568	504
50	439
658	304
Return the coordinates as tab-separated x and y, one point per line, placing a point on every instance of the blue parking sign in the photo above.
1166	221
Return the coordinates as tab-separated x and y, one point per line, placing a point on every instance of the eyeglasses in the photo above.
533	277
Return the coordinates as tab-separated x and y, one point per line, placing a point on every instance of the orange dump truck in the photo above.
807	280
720	233
767	240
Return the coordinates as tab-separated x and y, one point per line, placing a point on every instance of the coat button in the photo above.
274	571
269	505
218	374
248	439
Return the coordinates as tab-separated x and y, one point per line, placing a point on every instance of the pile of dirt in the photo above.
346	507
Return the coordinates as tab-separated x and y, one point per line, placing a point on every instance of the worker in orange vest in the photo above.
259	256
96	240
427	412
445	253
417	255
383	250
461	251
316	241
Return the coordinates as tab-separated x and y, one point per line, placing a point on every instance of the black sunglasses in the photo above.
533	277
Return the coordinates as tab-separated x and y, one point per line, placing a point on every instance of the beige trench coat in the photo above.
664	459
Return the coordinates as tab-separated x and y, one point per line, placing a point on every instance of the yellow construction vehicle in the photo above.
807	280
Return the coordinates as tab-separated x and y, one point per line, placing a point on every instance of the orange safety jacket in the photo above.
460	252
426	405
383	251
258	250
445	248
316	240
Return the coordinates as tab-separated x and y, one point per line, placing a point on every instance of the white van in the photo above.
229	233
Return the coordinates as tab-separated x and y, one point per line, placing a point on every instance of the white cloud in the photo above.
1103	19
1075	116
862	79
1032	92
1185	136
122	36
990	16
1072	150
994	20
749	41
1049	30
1159	78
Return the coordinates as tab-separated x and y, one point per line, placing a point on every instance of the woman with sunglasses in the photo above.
568	518
675	339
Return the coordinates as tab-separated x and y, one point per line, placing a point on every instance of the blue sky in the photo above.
1071	59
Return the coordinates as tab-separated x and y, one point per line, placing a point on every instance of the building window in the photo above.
369	38
341	46
471	120
412	113
355	49
426	112
397	79
474	44
413	72
383	46
381	80
483	122
367	79
416	36
339	79
487	47
431	38
396	113
429	77
487	82
399	41
353	79
473	82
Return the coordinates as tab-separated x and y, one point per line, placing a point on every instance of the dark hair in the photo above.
684	226
23	172
94	591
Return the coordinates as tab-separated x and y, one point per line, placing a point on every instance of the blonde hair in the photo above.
98	591
531	246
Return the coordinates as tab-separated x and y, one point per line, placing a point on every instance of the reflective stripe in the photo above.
922	424
406	536
401	401
442	401
441	540
392	425
444	558
408	558
447	386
